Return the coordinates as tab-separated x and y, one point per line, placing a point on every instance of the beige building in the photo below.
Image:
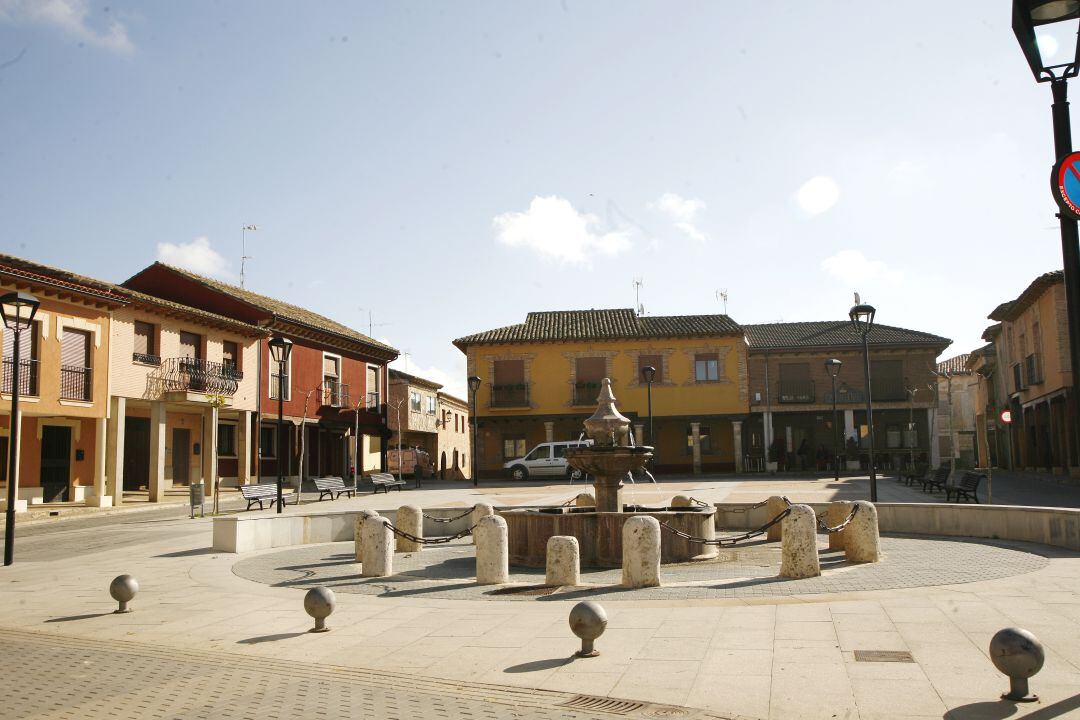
455	434
957	412
428	419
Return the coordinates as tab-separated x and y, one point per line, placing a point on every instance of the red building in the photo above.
335	383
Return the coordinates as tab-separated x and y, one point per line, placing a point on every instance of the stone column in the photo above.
641	552
492	551
862	543
639	433
100	498
243	448
695	434
774	507
410	519
481	511
563	561
157	451
935	448
799	557
770	461
736	434
114	450
835	514
378	548
849	425
358	532
209	451
549	431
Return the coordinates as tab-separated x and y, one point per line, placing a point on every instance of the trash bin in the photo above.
197	497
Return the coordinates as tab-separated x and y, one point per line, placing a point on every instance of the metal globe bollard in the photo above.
319	602
1018	654
123	589
588	621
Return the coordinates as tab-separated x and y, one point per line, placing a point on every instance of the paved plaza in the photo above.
220	635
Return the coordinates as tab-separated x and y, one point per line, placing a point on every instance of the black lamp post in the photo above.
862	317
18	311
832	366
474	385
1047	33
648	373
280	348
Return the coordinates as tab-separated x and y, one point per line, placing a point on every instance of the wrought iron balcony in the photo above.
197	375
145	359
796	391
28	376
510	395
585	393
335	393
887	389
75	383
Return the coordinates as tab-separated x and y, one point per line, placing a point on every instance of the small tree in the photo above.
303	437
217	402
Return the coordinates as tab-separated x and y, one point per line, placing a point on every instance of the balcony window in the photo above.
28	361
372	401
508	387
145	350
230	358
188	374
706	368
75	378
588	374
1033	369
414	401
429	405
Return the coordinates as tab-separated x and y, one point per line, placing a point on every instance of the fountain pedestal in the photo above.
609	493
608	467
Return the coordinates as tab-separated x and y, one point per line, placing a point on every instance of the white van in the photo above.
546	460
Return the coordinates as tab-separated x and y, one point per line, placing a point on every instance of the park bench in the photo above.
385	481
331	486
918	475
967	487
263	491
937	481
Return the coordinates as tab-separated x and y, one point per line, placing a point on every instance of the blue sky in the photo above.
451	166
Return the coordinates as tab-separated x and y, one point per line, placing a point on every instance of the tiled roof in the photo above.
954	365
833	333
19	267
610	324
991	332
985	353
284	310
1010	310
219	320
413	379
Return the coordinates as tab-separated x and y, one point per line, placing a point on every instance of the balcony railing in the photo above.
510	395
796	391
75	383
146	359
372	401
887	389
197	375
335	393
1033	369
28	376
585	393
846	395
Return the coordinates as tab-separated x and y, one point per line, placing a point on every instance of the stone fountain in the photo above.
599	529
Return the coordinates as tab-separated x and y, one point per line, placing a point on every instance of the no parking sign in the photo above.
1065	184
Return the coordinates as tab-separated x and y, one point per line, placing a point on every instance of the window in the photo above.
145	350
706	367
372	388
267	441
588	372
230	356
508	388
75	366
540	452
513	447
190	345
654	361
704	438
414	401
274	378
226	440
28	360
333	391
430	404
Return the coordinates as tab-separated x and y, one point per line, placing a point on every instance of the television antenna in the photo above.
638	282
244	257
372	325
721	295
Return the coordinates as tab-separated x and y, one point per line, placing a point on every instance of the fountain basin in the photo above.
599	534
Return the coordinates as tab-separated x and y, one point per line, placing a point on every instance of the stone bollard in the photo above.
1019	655
588	621
410	519
563	561
641	552
773	507
492	551
123	589
358	535
378	539
836	513
680	501
799	557
861	541
319	603
481	511
585	500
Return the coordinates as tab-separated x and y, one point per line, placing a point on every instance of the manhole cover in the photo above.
602	704
538	590
883	656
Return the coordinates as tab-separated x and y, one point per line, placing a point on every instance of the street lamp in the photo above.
648	373
474	385
18	310
1047	33
862	318
832	366
280	348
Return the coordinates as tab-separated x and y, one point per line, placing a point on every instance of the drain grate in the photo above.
537	590
883	656
602	704
666	712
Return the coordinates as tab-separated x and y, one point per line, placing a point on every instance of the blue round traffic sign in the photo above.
1065	184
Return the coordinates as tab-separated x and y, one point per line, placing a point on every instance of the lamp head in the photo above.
832	366
18	309
1047	33
648	373
280	348
474	383
862	318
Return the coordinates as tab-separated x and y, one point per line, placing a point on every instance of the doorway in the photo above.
136	453
55	462
181	456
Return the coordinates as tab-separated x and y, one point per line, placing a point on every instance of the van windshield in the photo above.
539	453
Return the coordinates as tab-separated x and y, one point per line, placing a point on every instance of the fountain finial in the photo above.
607	426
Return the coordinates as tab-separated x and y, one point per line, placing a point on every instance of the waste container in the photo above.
197	497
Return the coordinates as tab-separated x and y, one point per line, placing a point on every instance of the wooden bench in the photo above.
936	481
334	487
385	481
918	475
263	491
967	487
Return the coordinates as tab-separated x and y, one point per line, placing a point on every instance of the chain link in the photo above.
699	503
429	541
732	539
449	519
736	511
826	529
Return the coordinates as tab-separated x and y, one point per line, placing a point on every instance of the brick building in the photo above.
431	420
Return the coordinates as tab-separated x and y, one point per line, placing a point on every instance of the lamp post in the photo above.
280	348
648	373
474	385
832	366
1047	33
862	318
18	311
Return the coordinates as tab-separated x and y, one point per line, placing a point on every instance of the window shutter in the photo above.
330	366
144	333
189	345
75	349
26	343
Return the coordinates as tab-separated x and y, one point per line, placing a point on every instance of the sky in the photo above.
427	170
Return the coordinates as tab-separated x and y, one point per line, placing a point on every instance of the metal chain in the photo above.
825	528
731	539
699	503
449	519
429	541
755	506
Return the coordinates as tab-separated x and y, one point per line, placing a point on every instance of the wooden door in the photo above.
181	456
136	453
55	462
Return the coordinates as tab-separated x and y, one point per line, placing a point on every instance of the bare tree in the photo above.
303	437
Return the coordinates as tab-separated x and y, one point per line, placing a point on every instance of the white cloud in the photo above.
682	212
453	383
854	268
552	228
817	195
70	17
196	256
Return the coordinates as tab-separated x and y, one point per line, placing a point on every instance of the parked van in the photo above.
546	460
410	459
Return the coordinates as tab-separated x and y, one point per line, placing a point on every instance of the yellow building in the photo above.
540	380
